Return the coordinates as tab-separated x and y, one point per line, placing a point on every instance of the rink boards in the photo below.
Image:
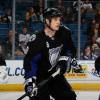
85	80
75	86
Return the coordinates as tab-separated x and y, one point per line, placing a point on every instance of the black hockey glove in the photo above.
75	66
73	62
64	63
30	87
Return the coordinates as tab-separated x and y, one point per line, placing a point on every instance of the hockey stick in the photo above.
39	85
42	83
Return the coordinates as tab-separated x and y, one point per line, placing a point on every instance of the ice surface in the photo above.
81	95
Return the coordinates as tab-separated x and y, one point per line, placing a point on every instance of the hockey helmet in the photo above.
52	12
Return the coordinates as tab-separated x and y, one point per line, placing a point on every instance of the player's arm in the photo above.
68	52
32	57
31	65
69	48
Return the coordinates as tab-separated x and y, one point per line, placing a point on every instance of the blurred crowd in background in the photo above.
29	21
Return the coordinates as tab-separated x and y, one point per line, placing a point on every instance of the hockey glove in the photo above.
75	66
30	87
64	64
73	62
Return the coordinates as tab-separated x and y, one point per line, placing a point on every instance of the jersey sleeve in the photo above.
32	57
68	48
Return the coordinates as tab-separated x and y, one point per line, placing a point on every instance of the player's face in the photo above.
55	23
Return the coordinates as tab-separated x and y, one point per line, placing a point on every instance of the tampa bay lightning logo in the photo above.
54	53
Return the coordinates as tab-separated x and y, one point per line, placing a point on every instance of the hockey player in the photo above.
3	72
97	68
47	53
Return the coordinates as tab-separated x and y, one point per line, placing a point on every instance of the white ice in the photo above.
81	95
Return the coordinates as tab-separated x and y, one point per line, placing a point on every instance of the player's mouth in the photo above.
57	26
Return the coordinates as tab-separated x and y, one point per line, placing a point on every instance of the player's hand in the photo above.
34	91
75	66
64	63
31	89
74	62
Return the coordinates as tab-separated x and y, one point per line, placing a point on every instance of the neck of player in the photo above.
49	32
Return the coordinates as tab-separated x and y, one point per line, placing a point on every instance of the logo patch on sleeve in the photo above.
32	38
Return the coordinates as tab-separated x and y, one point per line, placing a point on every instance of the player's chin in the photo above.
57	28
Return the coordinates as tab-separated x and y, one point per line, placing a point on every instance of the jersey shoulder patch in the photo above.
32	37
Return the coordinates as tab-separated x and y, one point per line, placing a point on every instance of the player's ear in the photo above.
47	21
